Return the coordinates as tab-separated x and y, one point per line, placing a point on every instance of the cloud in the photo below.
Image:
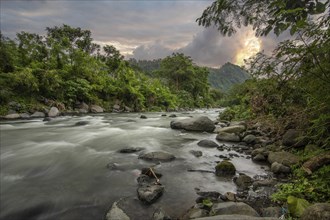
142	29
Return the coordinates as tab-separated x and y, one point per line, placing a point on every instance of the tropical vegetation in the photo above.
289	88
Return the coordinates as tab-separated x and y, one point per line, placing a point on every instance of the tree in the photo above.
263	16
299	68
112	57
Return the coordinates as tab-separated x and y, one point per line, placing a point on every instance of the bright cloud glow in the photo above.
251	46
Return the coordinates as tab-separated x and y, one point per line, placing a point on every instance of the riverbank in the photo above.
82	167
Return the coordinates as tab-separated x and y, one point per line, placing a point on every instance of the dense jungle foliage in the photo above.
289	88
67	67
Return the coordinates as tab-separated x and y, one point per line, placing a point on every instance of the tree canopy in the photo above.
66	66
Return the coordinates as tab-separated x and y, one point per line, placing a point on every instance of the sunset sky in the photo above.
140	29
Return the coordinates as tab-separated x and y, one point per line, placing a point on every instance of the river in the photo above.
56	170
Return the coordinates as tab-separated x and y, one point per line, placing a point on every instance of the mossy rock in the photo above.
225	168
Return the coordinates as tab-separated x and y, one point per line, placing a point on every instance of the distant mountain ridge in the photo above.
227	76
223	78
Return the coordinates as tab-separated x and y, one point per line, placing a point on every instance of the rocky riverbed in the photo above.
134	166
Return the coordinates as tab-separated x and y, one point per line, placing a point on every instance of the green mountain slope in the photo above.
227	76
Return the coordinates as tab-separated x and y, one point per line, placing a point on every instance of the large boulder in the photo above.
232	208
207	143
150	193
283	157
201	123
225	168
232	129
83	107
53	112
224	136
157	156
318	211
116	213
292	137
96	109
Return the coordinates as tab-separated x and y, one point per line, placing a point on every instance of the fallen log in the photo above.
316	162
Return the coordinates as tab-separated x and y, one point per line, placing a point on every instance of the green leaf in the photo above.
207	203
297	206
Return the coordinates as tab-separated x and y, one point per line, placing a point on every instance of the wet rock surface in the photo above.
149	193
201	123
157	156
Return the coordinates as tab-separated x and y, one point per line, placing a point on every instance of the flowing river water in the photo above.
56	170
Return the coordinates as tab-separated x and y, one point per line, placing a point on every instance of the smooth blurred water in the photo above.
55	170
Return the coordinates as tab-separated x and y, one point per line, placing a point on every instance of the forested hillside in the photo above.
227	76
65	67
220	79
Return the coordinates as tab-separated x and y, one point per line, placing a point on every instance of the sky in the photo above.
140	29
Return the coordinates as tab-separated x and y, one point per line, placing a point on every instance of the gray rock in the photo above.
25	116
160	214
291	138
207	143
83	107
12	116
53	112
194	213
38	115
232	129
83	111
196	153
232	208
150	193
223	136
116	107
283	157
278	168
263	151
143	180
172	116
225	168
249	139
157	156
127	109
96	109
201	123
143	117
259	158
116	213
263	183
318	211
243	181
